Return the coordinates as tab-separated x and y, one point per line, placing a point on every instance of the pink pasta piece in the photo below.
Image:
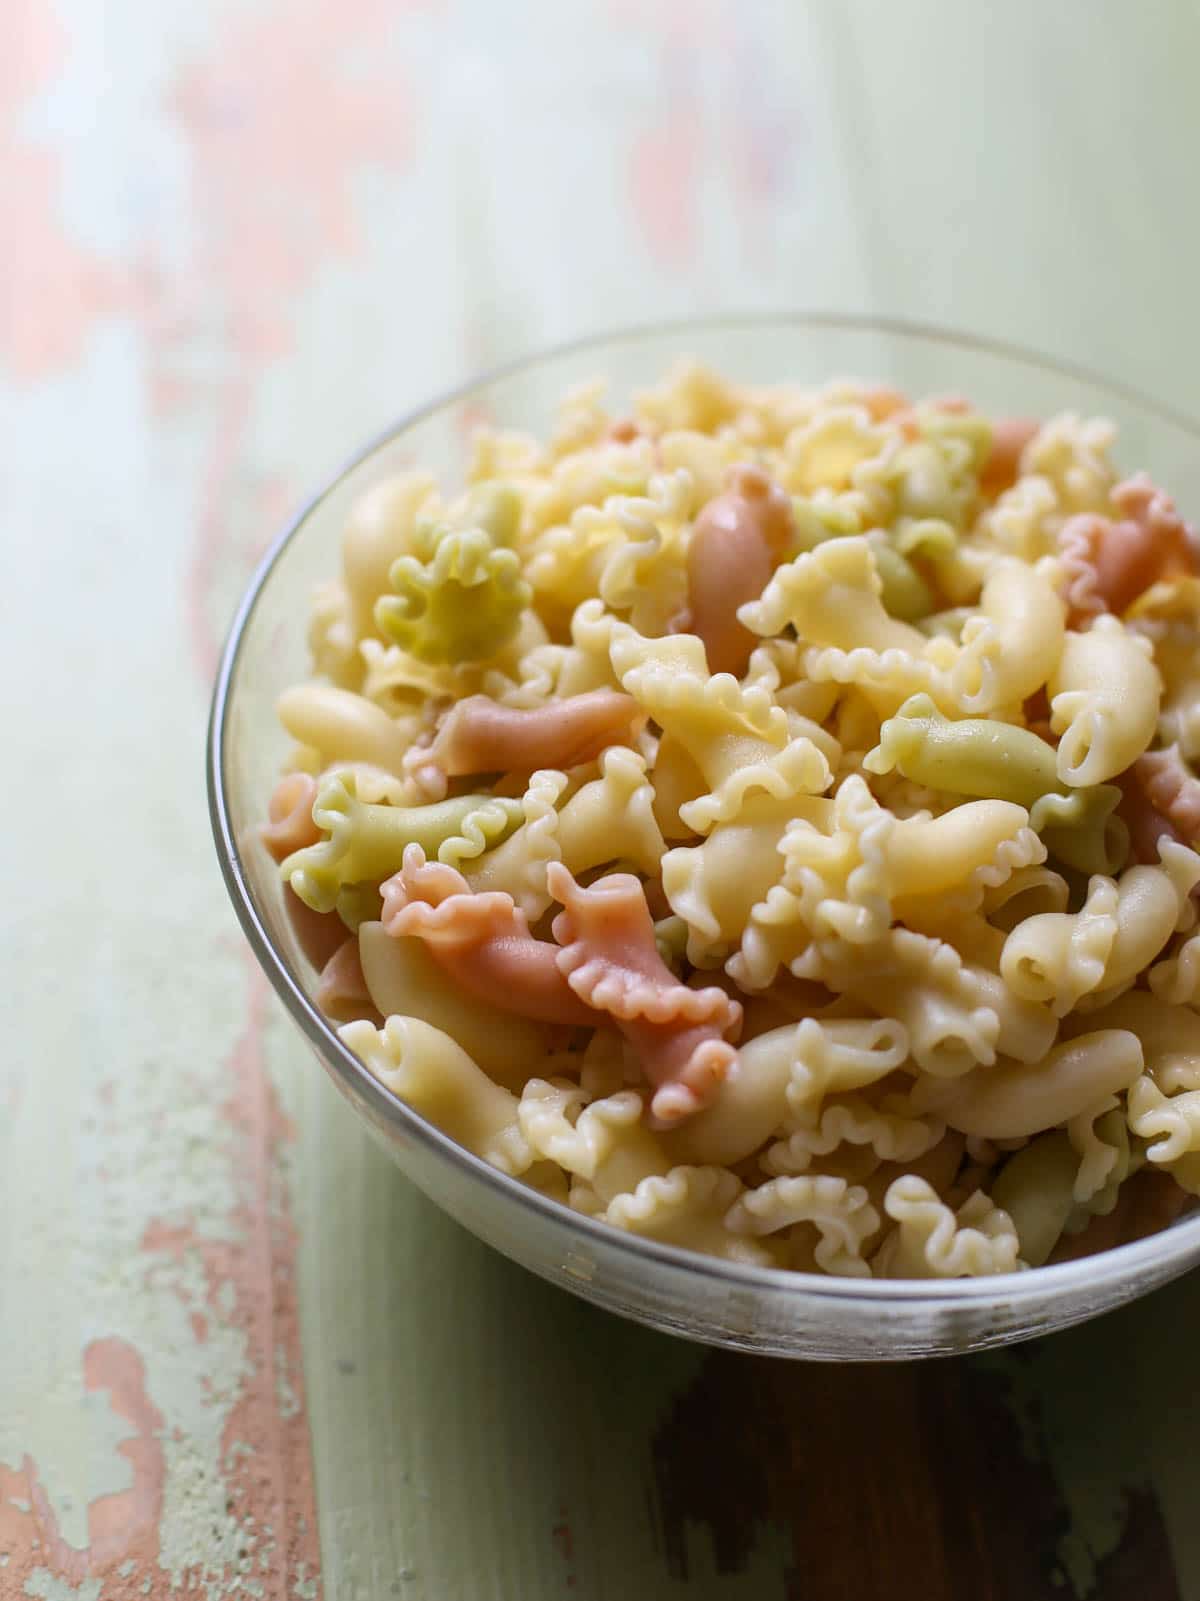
737	542
291	825
1172	789
610	960
342	992
1108	563
318	934
1002	467
481	736
1146	825
624	430
881	401
482	940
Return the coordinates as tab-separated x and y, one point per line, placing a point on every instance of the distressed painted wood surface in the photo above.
238	1354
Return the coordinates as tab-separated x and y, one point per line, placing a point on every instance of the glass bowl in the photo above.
747	1308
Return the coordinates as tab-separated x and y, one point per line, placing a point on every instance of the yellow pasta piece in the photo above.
1011	647
344	727
931	1241
973	756
787	1071
714	886
1059	957
841	1212
1015	1099
404	980
687	1207
1104	701
436	1077
381	528
889	1129
832	597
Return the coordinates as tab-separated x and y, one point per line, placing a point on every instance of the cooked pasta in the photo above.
765	821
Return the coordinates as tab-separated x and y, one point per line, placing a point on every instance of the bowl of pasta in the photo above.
719	801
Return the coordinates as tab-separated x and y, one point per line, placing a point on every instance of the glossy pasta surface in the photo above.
765	821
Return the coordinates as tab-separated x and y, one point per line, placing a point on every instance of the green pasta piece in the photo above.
1036	1187
816	521
366	842
671	937
966	435
464	604
358	904
993	760
905	593
931	538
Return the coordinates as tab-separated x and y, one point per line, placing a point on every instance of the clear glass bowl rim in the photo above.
361	1086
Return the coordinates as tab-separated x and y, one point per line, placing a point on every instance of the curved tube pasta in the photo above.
832	597
1012	646
1170	1036
343	727
1171	1124
956	1015
715	885
789	1069
381	527
584	1145
403	980
1012	1100
1059	957
436	1077
1104	699
1003	762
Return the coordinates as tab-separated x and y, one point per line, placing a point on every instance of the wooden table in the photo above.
240	1355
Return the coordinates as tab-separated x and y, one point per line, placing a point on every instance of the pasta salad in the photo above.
765	822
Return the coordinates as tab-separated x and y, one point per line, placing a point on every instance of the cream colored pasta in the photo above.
931	1240
762	818
1104	701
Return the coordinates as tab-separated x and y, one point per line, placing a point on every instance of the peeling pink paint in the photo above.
123	1528
265	1458
664	182
666	158
276	133
54	292
272	1488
